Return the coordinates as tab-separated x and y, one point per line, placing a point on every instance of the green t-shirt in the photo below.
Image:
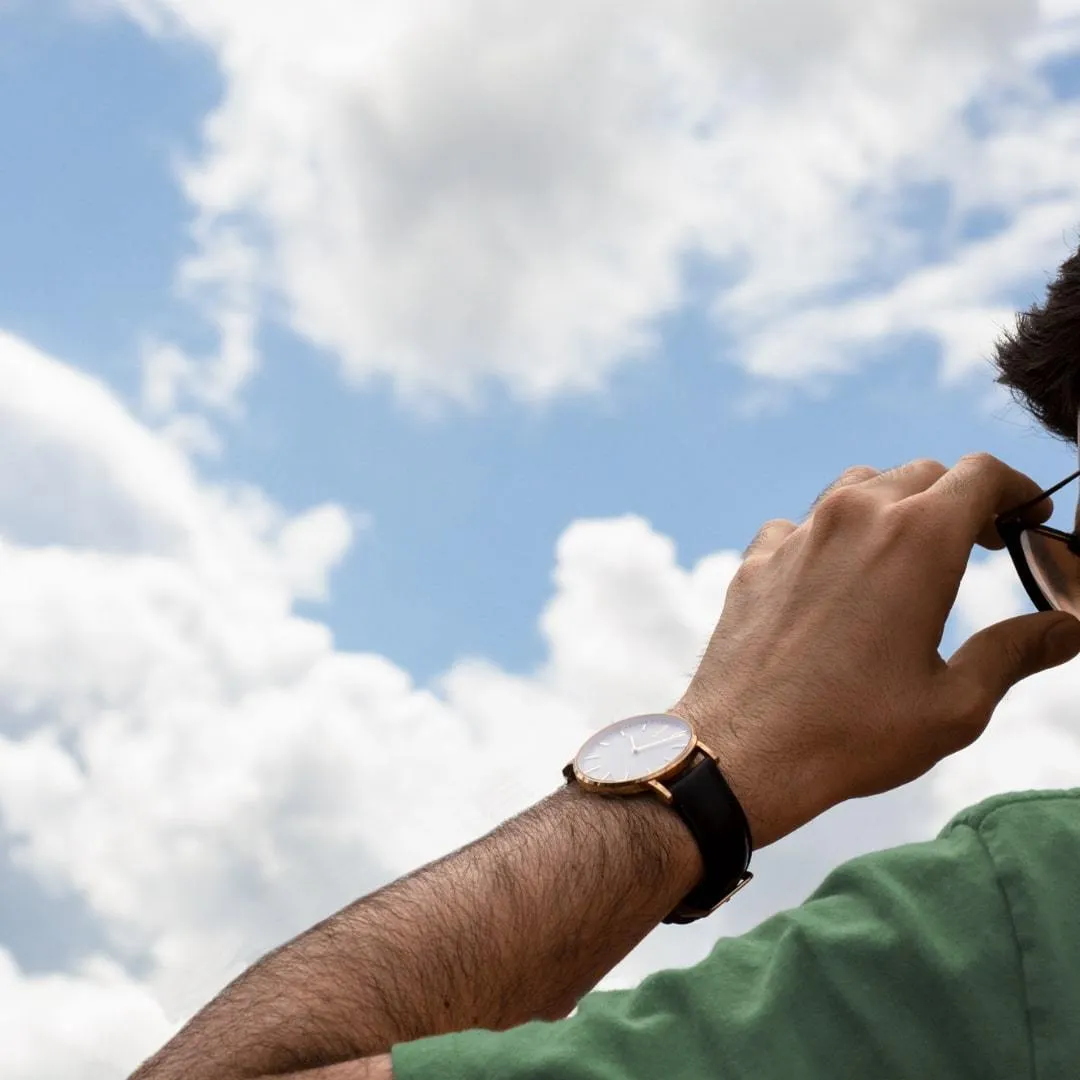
952	958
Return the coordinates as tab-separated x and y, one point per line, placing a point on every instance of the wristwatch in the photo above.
661	753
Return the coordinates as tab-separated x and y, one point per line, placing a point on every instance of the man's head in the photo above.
1039	360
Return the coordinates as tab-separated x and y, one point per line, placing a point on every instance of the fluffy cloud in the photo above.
198	764
442	197
447	194
208	774
1033	741
88	1024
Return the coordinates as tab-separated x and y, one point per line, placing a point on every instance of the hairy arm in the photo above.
516	926
805	703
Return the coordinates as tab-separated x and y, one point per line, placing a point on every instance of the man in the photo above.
821	683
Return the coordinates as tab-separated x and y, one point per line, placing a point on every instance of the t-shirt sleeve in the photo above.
901	964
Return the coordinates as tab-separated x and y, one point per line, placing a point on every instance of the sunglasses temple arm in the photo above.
1049	491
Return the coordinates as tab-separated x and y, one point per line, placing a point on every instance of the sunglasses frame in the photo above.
1011	527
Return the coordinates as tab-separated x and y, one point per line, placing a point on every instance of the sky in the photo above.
387	392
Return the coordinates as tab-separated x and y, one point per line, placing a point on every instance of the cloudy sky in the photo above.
386	391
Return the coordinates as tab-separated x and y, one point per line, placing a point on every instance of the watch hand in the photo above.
659	742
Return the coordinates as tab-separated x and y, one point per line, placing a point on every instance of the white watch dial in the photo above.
634	748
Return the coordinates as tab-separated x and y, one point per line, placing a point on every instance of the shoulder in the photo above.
1032	839
1055	811
1011	862
1026	838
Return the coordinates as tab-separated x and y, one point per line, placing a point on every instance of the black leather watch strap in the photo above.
707	804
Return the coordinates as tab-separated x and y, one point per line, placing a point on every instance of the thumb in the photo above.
998	657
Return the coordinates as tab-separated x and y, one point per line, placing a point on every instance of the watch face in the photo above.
634	748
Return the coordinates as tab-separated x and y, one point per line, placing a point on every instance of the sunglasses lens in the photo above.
1055	568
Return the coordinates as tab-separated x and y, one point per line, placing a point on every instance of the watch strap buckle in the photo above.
686	914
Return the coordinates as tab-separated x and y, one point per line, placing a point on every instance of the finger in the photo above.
909	479
854	475
997	658
976	490
769	537
990	538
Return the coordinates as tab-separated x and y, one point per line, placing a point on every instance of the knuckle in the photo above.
765	533
771	526
844	504
854	474
929	466
914	517
981	460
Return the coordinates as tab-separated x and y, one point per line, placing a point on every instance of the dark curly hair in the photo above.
1039	360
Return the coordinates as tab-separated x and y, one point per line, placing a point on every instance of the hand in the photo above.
823	681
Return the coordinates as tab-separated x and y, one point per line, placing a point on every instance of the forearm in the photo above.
516	926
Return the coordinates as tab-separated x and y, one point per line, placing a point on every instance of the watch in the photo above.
659	752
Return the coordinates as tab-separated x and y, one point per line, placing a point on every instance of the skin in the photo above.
822	682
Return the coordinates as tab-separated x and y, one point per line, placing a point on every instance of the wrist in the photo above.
746	781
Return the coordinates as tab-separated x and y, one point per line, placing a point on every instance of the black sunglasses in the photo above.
1047	559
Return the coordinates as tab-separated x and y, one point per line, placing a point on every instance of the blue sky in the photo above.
854	241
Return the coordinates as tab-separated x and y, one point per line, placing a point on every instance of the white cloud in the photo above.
91	1024
74	471
441	196
209	775
1033	740
311	545
448	194
223	276
627	623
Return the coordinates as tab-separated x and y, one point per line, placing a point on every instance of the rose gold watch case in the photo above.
642	783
